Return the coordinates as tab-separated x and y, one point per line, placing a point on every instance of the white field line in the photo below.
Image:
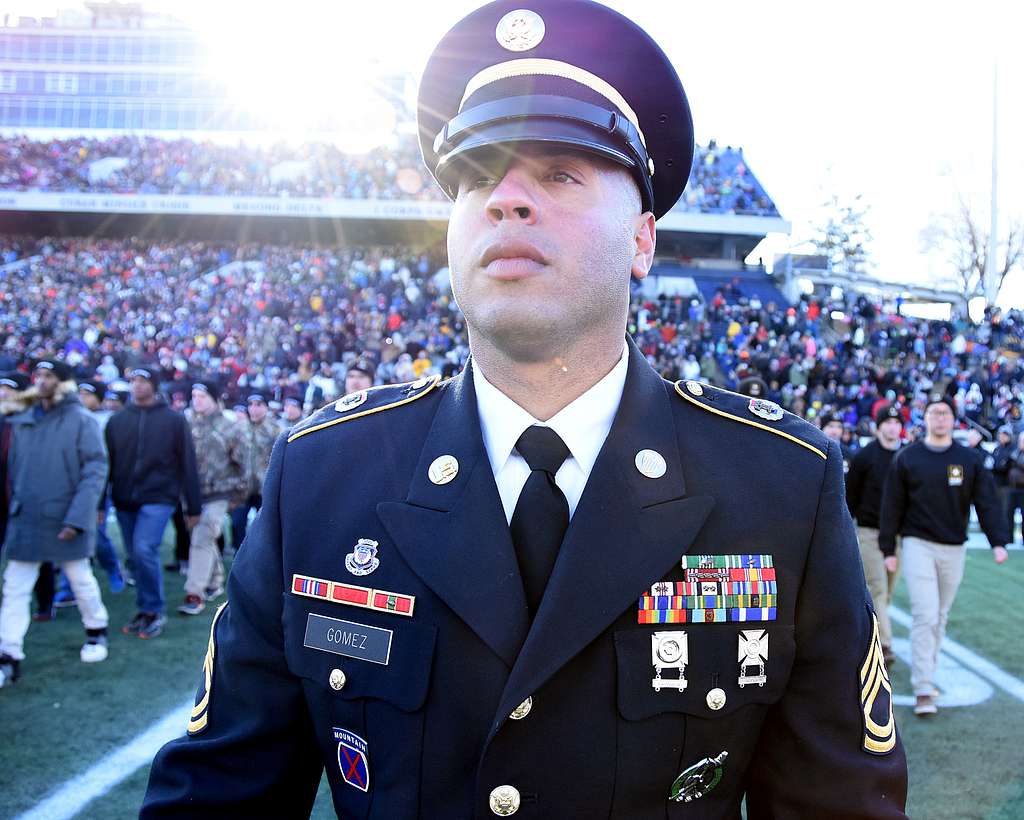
988	670
106	773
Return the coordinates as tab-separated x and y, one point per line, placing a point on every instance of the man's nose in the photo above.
511	199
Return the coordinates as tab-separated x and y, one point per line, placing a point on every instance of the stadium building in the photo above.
113	86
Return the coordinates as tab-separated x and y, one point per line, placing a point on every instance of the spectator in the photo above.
56	471
222	463
292	413
360	376
1015	482
260	432
152	464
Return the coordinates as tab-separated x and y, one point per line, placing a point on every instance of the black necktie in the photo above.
541	516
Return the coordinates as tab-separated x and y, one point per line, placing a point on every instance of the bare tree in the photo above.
844	238
960	238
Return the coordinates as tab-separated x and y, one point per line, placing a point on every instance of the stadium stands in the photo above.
720	181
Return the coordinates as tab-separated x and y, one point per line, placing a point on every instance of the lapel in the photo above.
454	535
627	532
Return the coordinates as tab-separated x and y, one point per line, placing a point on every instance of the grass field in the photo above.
64	715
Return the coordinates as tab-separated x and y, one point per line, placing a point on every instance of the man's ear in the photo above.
644	238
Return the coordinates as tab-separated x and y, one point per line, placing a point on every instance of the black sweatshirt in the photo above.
929	494
865	481
152	460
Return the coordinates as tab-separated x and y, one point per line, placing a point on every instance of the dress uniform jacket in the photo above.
430	732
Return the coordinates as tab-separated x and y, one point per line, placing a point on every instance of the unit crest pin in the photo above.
363	559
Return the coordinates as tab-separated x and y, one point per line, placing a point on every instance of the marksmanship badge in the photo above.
669	651
753	655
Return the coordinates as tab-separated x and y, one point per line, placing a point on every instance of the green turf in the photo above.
965	763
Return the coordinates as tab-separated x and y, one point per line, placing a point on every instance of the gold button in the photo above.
695	388
443	469
505	801
716	699
416	385
522	710
337	680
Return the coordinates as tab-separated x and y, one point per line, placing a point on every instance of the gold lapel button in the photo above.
337	680
505	800
650	463
443	469
522	710
695	388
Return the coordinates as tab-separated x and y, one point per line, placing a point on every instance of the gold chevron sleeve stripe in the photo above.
752	423
874	678
433	383
200	716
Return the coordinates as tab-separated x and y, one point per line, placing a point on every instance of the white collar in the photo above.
583	424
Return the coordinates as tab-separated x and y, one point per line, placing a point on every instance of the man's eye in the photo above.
561	176
476	183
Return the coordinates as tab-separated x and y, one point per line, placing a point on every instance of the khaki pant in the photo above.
881	582
20	577
205	568
933	573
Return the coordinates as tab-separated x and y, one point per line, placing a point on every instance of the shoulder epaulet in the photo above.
752	411
364	403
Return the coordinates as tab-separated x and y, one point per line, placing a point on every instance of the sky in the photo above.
892	101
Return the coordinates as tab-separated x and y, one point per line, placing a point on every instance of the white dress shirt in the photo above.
583	425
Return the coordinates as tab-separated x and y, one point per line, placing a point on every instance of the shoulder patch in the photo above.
364	403
760	413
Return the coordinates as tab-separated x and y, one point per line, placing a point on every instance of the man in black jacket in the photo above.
152	464
927	499
864	483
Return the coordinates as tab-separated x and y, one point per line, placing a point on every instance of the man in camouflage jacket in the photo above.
259	433
223	463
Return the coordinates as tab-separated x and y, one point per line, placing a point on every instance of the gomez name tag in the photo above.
367	643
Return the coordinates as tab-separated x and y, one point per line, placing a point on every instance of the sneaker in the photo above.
64	599
117	583
153	627
135	624
174	566
45	615
9	670
212	593
94	649
193	605
925	706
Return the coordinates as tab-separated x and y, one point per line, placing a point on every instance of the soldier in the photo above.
864	483
927	499
547	586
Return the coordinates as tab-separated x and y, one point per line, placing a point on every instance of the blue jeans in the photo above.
143	533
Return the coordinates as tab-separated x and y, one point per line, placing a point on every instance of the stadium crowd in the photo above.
243	340
720	181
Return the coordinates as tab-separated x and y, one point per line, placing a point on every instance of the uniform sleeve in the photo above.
81	513
990	509
894	504
251	749
829	747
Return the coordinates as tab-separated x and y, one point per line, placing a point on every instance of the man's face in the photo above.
357	380
938	419
90	401
833	430
889	430
46	383
292	412
202	402
541	246
257	411
142	389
